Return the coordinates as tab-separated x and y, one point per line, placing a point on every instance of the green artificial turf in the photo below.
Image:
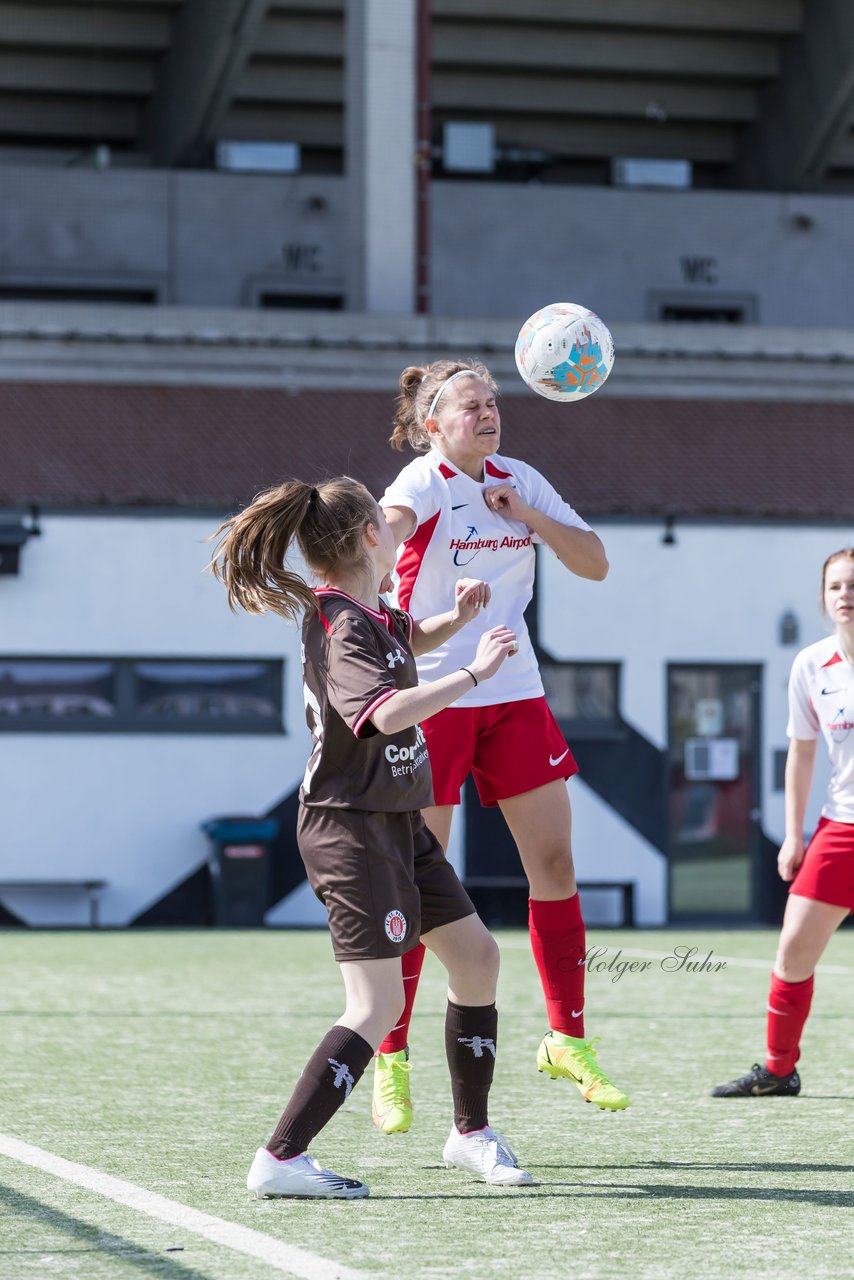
164	1059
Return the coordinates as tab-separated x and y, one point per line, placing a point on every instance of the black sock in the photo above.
470	1041
336	1066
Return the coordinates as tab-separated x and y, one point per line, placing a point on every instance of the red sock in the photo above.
558	941
398	1037
788	1006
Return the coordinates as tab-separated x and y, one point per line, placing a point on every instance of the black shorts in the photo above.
382	877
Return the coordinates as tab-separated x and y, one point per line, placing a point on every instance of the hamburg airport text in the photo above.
489	544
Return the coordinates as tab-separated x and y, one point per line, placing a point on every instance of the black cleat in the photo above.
759	1083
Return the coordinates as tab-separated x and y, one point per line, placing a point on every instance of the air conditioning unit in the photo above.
468	147
651	173
259	157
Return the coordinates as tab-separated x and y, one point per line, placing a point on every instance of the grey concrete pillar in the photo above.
380	87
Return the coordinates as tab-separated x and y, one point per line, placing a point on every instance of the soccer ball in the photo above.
564	352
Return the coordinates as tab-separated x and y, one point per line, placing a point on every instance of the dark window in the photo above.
212	693
273	300
141	695
706	313
694	307
57	691
585	696
135	295
780	756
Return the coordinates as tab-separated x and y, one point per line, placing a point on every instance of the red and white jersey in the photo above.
821	701
458	536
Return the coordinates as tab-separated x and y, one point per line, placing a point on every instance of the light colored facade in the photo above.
126	807
223	240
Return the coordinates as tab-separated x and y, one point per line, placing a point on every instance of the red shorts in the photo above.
827	871
510	748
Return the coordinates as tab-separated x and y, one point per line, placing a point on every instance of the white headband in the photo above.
461	373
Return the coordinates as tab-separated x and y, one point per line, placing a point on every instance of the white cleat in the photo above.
487	1155
301	1177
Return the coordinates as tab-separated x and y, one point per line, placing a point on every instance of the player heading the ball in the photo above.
464	506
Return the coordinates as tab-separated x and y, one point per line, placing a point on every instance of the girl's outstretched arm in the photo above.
471	598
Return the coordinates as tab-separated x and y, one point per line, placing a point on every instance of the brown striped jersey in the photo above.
354	658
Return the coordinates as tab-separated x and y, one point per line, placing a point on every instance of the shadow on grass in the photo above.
779	1166
667	1191
90	1239
827	1097
639	1191
775	1166
584	1187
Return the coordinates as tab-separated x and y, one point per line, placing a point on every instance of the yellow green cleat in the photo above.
391	1105
575	1060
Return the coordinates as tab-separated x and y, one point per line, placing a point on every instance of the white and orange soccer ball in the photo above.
564	352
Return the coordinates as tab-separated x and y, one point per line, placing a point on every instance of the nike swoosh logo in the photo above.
576	1013
782	1012
759	1089
459	506
557	759
825	692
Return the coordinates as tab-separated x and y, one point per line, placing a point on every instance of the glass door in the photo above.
713	786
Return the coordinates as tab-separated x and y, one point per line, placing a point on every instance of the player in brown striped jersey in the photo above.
368	854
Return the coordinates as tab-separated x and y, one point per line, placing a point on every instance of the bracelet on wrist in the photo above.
472	674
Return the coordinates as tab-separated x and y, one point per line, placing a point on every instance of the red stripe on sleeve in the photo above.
371	708
411	556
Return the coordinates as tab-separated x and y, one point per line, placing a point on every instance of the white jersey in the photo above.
821	701
458	536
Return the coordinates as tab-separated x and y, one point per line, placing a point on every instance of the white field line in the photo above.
736	962
254	1244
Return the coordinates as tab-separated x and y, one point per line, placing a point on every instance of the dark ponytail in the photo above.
327	523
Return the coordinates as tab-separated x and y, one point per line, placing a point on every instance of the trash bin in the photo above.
240	869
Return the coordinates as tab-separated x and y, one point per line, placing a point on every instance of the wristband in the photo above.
470	673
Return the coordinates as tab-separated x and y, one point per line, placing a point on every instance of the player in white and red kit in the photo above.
462	508
821	704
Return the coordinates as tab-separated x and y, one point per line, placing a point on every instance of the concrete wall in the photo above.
510	249
208	239
194	238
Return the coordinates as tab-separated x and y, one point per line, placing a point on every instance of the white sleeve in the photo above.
411	488
803	721
546	498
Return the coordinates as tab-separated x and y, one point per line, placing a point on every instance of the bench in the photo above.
91	887
625	888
